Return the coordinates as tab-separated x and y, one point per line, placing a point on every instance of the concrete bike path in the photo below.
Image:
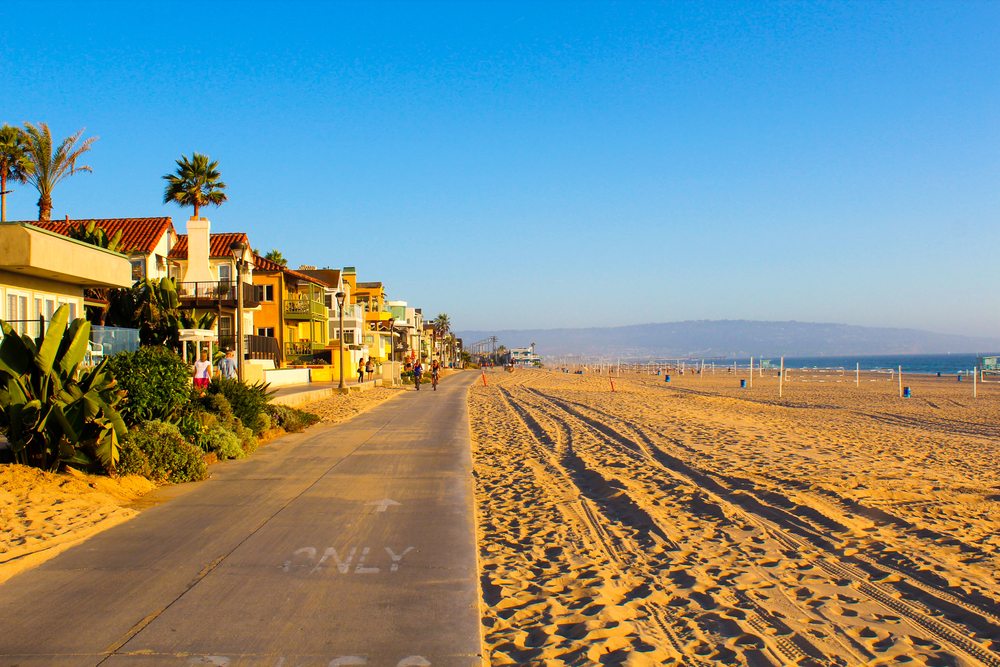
351	544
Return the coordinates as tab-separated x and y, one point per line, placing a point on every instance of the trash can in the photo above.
906	392
743	384
668	379
959	378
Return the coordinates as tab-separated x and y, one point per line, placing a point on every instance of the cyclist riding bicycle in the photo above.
418	370
435	374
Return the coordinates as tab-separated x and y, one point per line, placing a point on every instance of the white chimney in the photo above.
198	268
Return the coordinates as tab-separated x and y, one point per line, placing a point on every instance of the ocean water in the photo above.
946	364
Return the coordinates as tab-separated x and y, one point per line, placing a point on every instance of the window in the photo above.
266	331
349	336
328	301
72	303
225	273
334	330
225	326
267	292
161	262
138	269
17	311
369	340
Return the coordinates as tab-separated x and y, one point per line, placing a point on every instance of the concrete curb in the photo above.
310	395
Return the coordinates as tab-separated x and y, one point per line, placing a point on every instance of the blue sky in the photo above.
536	165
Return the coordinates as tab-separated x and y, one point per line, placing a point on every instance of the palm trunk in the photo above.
196	210
3	195
45	207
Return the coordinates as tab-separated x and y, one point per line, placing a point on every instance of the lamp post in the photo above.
340	306
238	248
392	343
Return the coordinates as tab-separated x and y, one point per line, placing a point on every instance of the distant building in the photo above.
523	356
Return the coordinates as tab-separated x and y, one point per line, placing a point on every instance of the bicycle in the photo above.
434	381
416	381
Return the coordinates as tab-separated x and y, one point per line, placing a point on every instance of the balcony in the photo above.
215	294
302	348
304	309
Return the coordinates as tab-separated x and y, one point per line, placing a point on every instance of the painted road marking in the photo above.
343	560
380	505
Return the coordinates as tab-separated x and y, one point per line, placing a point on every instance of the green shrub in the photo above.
157	383
290	419
247	401
51	412
131	459
265	422
171	458
249	445
217	404
223	443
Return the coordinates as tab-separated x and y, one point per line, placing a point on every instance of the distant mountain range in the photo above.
733	338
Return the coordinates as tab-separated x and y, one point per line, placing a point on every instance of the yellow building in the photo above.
292	310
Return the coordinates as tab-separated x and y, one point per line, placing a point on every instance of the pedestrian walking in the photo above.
228	367
361	371
202	371
370	367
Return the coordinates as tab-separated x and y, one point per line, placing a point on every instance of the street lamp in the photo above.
239	248
392	342
340	305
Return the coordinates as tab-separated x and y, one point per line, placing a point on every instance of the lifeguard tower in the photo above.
989	366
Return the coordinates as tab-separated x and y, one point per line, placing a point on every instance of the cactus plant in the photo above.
51	411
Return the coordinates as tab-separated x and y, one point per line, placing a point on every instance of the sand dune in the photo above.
696	523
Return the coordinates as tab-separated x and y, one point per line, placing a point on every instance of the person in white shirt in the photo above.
202	371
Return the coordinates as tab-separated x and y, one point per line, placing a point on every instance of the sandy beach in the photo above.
43	513
696	523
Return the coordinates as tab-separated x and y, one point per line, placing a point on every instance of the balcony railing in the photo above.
221	292
350	310
299	348
304	308
255	347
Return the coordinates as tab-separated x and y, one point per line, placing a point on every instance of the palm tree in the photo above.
49	168
275	256
442	324
196	183
15	165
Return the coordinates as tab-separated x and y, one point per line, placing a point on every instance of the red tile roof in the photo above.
219	245
264	264
139	235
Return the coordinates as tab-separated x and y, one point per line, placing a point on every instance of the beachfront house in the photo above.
292	312
407	324
41	270
371	297
523	356
204	269
354	320
146	242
